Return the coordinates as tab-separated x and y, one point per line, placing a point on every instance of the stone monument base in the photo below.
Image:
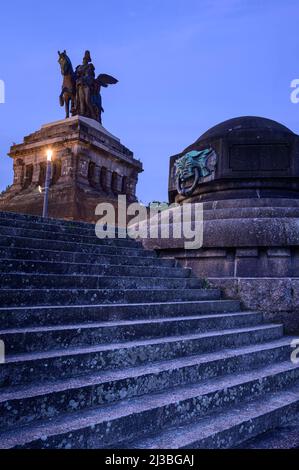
65	202
251	251
245	174
89	166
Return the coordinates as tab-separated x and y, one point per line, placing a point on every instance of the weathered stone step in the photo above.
57	315
229	428
131	419
82	281
63	337
35	297
285	436
23	242
50	267
61	256
43	366
35	219
106	344
19	406
91	239
51	225
13	219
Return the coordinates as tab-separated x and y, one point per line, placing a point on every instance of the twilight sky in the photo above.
183	66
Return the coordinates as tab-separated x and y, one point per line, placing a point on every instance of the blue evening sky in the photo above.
182	65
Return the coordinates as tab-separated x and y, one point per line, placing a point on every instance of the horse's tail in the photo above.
61	99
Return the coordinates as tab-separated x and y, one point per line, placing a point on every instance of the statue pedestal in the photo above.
90	166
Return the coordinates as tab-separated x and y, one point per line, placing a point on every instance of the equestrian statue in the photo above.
81	89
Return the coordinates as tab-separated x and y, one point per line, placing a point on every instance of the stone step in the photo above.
33	254
35	219
81	281
91	239
35	297
70	336
285	436
107	426
19	406
50	225
230	427
56	315
49	365
14	219
107	345
50	267
44	244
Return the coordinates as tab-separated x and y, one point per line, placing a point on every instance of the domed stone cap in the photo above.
241	125
253	157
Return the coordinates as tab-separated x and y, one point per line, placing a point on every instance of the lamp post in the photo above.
47	183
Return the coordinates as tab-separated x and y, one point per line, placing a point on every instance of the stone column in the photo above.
97	176
119	183
131	187
108	180
56	171
18	169
36	173
124	185
67	170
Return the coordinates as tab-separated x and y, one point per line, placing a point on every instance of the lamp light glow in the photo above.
49	155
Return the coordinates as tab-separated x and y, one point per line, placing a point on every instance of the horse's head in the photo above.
65	63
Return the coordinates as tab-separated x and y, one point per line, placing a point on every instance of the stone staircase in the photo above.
109	346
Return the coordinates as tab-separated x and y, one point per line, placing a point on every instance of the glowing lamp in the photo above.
49	155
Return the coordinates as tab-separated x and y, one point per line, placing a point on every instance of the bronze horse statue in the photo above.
68	92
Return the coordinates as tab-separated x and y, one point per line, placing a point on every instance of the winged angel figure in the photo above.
81	88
